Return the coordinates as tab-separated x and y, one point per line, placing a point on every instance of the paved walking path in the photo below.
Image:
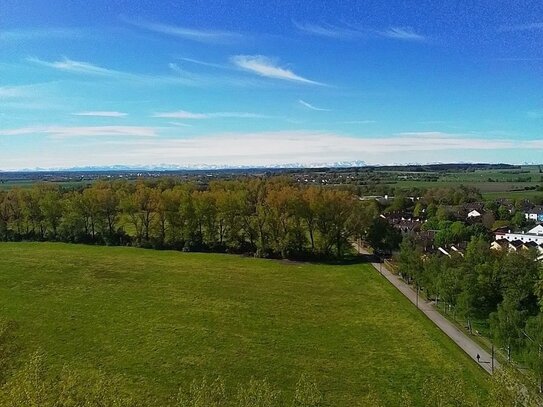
460	338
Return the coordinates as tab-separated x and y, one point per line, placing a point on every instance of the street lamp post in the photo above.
492	359
539	351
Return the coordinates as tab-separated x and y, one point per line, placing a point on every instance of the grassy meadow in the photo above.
520	183
161	319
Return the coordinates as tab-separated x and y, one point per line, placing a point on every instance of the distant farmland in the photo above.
493	181
161	319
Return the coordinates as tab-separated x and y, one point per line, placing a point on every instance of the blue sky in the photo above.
262	83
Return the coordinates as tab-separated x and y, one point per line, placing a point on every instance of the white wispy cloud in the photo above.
239	115
188	75
101	113
26	91
61	132
349	32
69	65
230	77
193	34
97	71
312	107
183	114
402	33
328	30
304	146
178	75
267	67
206	63
180	124
34	96
270	148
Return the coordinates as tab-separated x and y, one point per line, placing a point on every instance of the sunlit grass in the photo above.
164	318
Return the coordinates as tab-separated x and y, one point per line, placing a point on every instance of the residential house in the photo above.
515	245
474	213
406	226
535	214
533	235
500	245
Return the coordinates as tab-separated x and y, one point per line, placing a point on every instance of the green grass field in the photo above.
160	319
492	184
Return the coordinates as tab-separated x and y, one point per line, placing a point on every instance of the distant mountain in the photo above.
412	167
175	167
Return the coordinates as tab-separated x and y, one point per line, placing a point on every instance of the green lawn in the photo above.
483	186
161	319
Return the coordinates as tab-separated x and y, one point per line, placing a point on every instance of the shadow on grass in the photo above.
345	261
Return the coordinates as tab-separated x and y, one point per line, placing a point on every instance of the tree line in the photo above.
500	291
268	218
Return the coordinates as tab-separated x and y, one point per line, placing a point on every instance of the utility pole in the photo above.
539	352
540	375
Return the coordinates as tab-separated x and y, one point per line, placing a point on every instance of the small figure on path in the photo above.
478	357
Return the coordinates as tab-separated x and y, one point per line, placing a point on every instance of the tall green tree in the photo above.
411	265
383	237
506	325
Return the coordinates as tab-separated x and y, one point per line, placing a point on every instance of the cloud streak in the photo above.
62	132
328	30
268	148
312	107
29	91
264	66
259	148
101	114
193	34
259	65
96	71
183	114
347	32
205	63
179	76
69	65
402	33
34	96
